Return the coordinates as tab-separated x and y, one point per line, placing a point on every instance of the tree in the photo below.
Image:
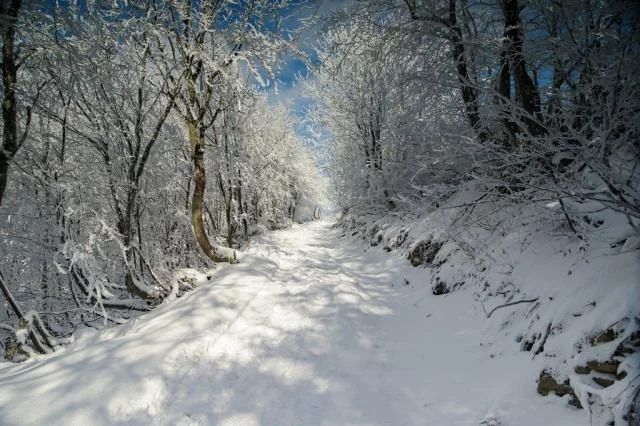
387	99
112	92
119	108
12	141
534	80
205	40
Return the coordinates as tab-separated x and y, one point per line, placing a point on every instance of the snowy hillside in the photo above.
570	301
311	328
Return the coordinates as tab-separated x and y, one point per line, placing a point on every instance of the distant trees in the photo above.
113	108
388	100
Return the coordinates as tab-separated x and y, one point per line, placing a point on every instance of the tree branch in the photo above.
511	304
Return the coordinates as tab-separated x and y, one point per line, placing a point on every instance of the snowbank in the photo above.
547	291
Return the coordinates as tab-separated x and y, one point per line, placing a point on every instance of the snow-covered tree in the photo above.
521	98
394	117
120	101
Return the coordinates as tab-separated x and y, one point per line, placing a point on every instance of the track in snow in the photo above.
310	329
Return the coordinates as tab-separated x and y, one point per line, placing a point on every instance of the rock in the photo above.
402	237
415	254
606	336
623	350
605	383
628	345
607	367
491	420
431	252
424	252
377	238
440	288
547	384
581	369
575	402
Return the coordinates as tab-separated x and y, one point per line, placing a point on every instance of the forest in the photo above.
108	112
145	138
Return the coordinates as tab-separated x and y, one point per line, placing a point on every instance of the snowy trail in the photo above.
310	329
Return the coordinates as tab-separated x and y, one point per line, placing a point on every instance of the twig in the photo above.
511	304
543	341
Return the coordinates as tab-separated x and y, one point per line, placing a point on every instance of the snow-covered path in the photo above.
310	329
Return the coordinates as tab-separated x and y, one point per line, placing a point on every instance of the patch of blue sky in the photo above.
306	19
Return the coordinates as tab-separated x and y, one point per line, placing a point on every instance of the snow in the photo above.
558	288
311	328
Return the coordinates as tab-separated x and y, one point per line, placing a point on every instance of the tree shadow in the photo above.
291	336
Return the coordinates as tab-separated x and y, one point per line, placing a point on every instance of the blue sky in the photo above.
294	67
286	88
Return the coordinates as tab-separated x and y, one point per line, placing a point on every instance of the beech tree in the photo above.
117	107
204	41
11	138
265	176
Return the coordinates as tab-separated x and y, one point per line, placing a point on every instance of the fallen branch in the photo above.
542	341
35	334
155	277
511	304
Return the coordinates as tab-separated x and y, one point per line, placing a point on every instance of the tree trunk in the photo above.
469	93
130	263
526	92
227	196
242	208
35	334
11	144
9	107
504	97
213	252
125	229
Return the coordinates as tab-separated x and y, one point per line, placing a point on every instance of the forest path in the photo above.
311	328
